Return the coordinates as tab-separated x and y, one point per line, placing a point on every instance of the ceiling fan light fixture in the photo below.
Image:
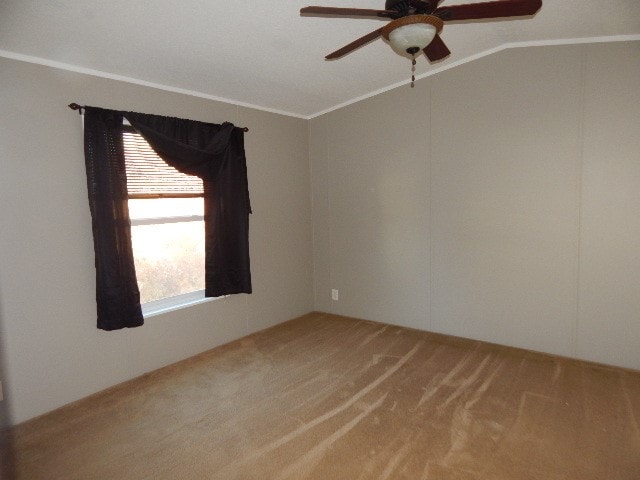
408	35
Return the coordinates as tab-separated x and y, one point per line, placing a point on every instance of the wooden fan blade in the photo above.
355	44
349	12
436	50
500	8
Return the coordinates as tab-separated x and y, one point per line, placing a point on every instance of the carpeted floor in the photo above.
326	397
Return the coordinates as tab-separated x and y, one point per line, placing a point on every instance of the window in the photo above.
214	153
167	227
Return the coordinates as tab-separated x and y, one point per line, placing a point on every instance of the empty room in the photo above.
355	240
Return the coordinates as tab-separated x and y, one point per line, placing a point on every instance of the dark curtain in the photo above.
214	153
117	294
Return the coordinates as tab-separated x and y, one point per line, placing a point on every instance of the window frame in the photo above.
170	304
164	220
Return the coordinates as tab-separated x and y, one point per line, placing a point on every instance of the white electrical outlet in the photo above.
334	295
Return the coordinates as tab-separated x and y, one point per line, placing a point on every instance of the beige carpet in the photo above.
327	397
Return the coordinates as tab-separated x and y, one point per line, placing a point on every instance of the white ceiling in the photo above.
263	53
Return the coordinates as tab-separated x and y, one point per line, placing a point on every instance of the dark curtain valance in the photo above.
214	153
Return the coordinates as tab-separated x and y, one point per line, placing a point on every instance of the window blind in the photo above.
148	176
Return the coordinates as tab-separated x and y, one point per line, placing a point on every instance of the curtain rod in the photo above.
75	106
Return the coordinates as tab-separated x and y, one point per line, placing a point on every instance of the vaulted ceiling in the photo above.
263	53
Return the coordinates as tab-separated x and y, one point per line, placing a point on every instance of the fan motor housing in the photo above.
408	7
390	4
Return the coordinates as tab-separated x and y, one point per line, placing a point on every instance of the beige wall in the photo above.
53	352
371	208
609	297
498	200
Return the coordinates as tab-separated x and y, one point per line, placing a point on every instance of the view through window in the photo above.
167	226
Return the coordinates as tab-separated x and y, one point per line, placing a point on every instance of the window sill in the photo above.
164	305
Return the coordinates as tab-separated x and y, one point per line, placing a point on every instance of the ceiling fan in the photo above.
416	24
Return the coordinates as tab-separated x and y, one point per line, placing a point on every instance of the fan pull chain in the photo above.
413	71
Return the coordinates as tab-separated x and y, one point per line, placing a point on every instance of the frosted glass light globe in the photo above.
413	36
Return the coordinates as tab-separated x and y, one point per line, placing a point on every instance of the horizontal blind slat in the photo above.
148	174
